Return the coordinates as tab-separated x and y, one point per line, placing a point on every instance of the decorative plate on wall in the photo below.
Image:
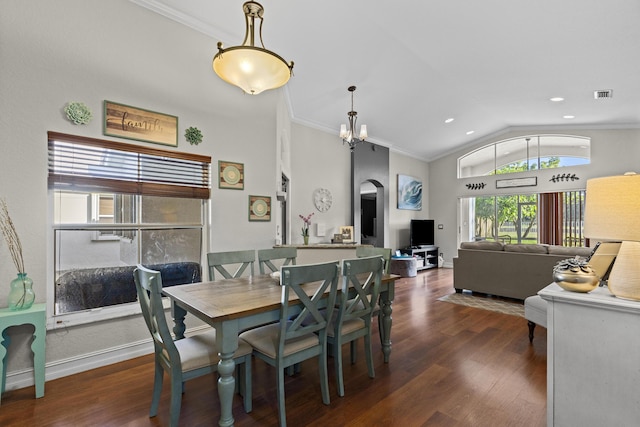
230	175
259	208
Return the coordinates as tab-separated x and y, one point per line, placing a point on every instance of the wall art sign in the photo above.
230	175
517	182
259	208
129	122
409	193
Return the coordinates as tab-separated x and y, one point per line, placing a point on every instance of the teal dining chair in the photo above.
186	358
266	258
367	251
220	261
290	341
351	320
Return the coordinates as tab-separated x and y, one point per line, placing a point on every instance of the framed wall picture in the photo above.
517	182
129	122
259	208
230	175
346	231
409	193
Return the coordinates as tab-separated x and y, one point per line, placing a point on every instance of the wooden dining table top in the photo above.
227	299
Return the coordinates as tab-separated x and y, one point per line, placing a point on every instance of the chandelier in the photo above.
348	135
253	69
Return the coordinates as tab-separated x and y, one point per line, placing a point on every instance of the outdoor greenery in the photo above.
520	211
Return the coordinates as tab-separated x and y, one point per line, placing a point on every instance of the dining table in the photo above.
234	305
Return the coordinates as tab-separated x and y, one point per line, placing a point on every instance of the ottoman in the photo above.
535	311
404	266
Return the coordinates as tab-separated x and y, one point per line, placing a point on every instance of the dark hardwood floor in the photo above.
450	366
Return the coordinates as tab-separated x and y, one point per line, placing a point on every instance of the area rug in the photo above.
485	303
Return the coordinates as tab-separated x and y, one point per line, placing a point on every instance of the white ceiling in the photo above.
492	65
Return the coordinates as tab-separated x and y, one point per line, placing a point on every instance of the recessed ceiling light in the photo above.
470	132
568	117
449	120
556	99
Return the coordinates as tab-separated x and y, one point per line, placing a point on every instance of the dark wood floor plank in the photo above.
450	366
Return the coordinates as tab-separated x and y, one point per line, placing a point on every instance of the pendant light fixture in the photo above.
348	135
252	68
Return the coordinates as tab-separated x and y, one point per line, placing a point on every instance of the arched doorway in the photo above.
372	213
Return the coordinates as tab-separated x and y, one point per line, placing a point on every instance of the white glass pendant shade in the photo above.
251	68
343	131
363	132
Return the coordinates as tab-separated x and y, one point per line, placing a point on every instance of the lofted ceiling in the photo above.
490	65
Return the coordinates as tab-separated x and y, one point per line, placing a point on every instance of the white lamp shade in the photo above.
251	68
343	131
363	131
612	208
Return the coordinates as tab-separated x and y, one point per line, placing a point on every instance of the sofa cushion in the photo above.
485	245
570	251
529	249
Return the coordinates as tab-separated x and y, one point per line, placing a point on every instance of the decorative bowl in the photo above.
575	275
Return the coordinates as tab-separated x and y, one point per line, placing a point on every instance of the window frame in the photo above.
56	182
503	154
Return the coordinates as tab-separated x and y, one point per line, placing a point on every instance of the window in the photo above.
117	205
525	153
551	218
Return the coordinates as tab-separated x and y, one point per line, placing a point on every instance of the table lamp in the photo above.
612	213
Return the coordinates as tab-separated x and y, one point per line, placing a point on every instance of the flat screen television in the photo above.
422	233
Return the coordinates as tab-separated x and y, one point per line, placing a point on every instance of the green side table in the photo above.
36	316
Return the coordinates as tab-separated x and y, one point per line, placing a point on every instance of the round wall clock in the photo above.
322	199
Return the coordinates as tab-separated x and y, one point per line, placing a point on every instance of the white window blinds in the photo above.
87	164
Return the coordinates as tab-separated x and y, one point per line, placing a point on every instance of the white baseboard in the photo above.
74	365
85	362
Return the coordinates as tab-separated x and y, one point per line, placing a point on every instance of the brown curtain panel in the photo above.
551	218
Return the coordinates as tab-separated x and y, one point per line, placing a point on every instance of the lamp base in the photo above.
624	279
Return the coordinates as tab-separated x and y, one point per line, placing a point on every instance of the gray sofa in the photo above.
508	270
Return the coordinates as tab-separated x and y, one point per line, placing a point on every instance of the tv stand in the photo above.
428	254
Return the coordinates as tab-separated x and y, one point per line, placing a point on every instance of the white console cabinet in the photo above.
593	359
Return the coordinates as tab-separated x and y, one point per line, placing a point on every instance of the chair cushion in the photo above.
348	326
265	340
198	351
535	310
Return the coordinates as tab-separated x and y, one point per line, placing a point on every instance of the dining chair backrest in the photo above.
360	287
321	280
149	288
267	256
241	259
367	251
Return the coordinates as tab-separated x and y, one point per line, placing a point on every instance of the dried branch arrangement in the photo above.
11	236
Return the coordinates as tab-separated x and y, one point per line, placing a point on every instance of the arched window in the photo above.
525	153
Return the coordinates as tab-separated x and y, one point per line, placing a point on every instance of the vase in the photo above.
21	295
584	280
306	239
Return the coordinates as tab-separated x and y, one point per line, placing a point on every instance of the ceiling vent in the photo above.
603	94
